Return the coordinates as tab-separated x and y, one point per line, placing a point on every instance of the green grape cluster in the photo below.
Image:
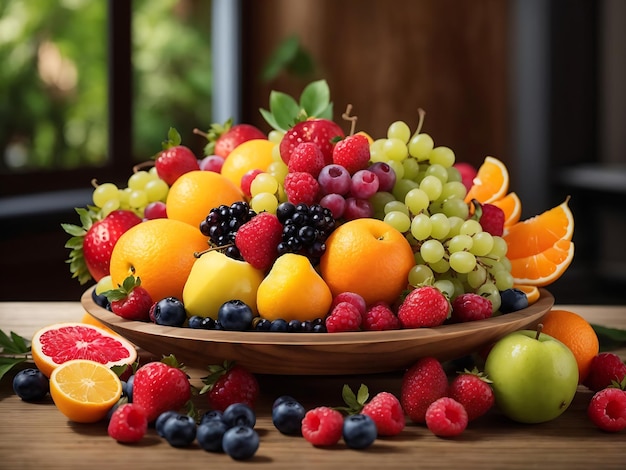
427	204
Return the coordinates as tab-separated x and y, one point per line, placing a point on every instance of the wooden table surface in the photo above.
39	436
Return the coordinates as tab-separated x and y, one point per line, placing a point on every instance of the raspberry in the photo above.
470	307
353	153
128	423
423	383
258	239
322	132
491	218
472	390
424	307
380	317
605	369
386	411
306	157
607	409
351	297
343	317
322	426
446	417
301	187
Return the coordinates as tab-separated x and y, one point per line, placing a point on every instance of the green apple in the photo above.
534	376
216	278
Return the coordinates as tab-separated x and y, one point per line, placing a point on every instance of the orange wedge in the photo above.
512	208
544	267
491	182
532	292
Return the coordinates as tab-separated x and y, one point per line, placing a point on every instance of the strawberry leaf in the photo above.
354	402
315	98
284	109
78	268
173	139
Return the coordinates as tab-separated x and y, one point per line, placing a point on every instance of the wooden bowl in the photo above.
365	352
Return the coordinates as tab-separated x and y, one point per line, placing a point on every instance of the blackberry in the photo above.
222	223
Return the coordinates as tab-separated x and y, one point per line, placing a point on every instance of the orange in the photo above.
532	292
84	390
491	182
545	267
58	343
512	208
255	154
160	252
194	194
368	257
576	333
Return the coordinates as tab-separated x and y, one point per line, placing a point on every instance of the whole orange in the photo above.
576	333
161	253
194	194
368	257
255	154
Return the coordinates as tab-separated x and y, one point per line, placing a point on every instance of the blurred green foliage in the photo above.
53	79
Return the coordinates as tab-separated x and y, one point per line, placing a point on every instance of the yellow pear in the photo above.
293	290
214	279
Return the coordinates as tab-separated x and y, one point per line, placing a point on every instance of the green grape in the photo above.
454	174
139	179
492	266
490	291
454	207
459	287
124	196
440	267
395	149
397	167
470	227
445	286
396	206
411	168
500	247
440	226
418	257
477	277
104	284
437	171
402	187
503	279
263	183
278	170
506	263
462	261
264	202
483	243
379	201
399	130
276	154
137	199
455	225
153	171
110	206
442	155
416	200
432	186
421	227
420	146
377	153
398	220
453	189
432	251
420	274
156	189
103	193
275	136
460	242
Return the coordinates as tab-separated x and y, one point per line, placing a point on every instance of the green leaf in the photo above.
315	98
362	395
326	113
7	363
73	230
284	109
13	344
610	338
173	139
269	118
280	58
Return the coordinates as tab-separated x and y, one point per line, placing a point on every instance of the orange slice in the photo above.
545	267
491	182
84	390
532	292
535	235
512	208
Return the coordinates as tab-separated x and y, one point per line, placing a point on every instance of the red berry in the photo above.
230	383
247	179
470	307
380	317
351	297
174	162
130	300
258	239
607	409
491	218
472	390
343	317
386	411
306	157
234	136
424	307
301	187
128	423
605	369
446	417
322	132
353	153
322	426
423	383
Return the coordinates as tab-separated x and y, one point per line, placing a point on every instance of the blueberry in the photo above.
239	414
179	430
282	399
513	300
31	385
195	322
170	311
263	325
210	434
235	315
161	419
127	388
212	415
278	325
294	326
359	431
209	323
240	442
287	417
100	299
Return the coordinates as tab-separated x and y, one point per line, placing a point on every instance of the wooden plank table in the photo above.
39	436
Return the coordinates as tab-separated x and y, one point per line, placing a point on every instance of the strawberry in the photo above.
175	159
422	384
425	306
128	423
322	132
607	409
161	386
223	138
130	300
353	153
93	242
307	157
258	239
470	307
230	383
491	218
605	369
472	390
446	417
